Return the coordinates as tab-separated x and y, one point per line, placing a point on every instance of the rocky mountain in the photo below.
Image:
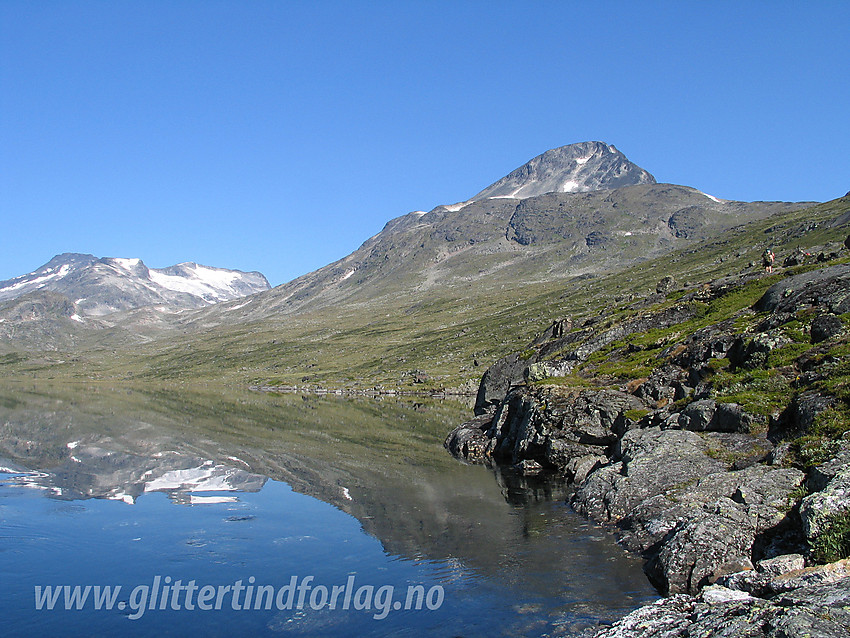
97	287
576	168
488	242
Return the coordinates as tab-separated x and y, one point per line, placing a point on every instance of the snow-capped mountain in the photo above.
101	286
576	168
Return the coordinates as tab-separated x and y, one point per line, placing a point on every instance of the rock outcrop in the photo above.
723	465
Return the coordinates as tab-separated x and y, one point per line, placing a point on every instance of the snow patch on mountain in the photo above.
576	168
210	284
111	284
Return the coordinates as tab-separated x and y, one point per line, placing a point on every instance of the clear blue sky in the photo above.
278	136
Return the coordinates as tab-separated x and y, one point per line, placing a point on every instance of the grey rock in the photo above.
665	384
578	468
468	440
820	476
820	611
546	370
799	417
753	352
810	577
528	467
779	565
697	415
770	576
554	425
566	455
714	594
651	462
765	492
796	258
817	509
827	287
666	618
705	545
739	449
760	491
558	329
497	380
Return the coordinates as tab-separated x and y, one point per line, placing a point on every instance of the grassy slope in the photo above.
441	331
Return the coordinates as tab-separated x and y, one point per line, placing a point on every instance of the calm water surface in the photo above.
147	489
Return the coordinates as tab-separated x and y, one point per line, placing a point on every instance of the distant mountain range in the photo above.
98	287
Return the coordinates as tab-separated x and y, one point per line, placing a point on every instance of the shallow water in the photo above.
148	489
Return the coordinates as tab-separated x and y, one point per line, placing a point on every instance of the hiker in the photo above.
767	260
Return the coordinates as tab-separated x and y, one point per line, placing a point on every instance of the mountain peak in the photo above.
575	168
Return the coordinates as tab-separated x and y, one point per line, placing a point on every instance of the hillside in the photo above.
708	424
435	295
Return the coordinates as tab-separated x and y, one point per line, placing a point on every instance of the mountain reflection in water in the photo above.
511	555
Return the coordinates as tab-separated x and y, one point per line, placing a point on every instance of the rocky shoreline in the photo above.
711	433
444	393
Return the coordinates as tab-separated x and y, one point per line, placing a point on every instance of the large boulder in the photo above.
497	380
706	544
762	492
827	287
553	425
649	462
825	327
469	440
799	417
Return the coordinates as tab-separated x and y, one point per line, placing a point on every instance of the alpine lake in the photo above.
208	512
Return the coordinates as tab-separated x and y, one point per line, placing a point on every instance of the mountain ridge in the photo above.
101	286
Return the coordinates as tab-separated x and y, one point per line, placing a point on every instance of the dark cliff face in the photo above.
576	168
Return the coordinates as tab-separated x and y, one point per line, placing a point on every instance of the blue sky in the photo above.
278	136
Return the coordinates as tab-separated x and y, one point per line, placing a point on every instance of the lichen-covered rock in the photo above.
666	285
652	461
816	575
705	415
820	476
760	581
553	425
821	611
753	352
817	509
799	417
703	546
565	455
